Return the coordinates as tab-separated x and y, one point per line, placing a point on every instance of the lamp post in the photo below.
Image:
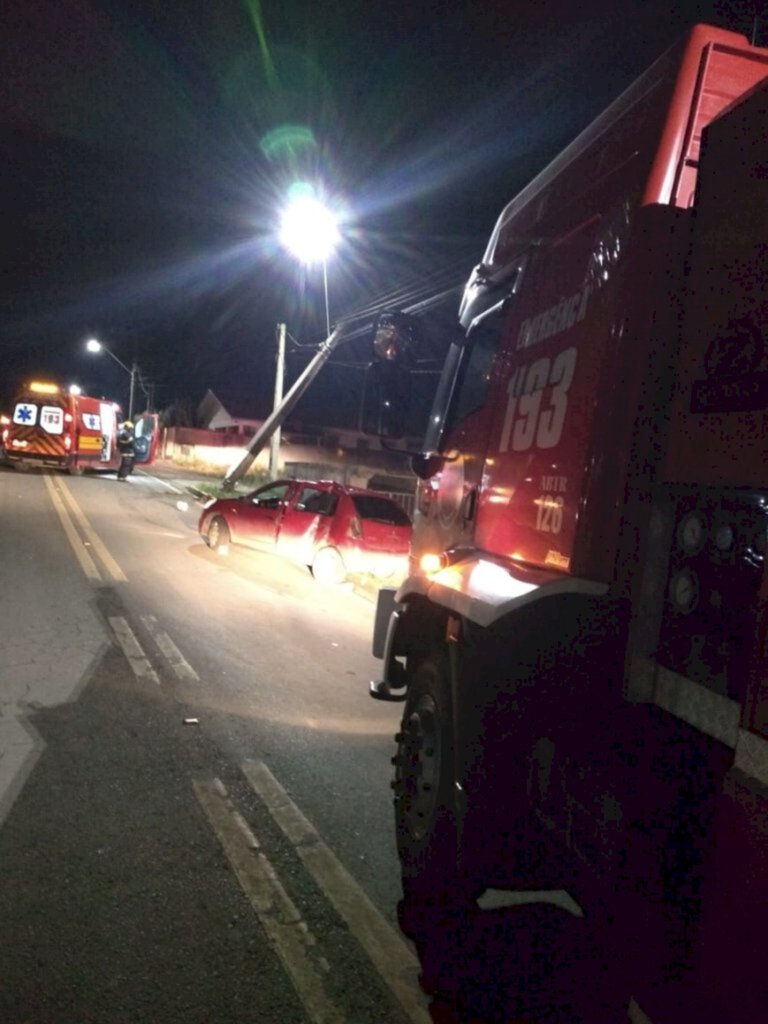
93	345
309	231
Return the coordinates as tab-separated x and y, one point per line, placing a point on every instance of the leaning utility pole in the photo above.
274	454
278	416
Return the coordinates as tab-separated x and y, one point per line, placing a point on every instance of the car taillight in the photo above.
68	442
355	528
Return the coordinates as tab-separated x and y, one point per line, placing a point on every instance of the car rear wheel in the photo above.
217	537
328	566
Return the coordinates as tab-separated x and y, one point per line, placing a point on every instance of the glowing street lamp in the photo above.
309	231
93	345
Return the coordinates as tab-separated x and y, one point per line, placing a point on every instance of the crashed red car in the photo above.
334	530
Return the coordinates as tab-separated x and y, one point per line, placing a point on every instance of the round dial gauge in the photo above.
692	532
724	537
684	591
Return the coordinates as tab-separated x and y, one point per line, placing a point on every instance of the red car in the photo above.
335	530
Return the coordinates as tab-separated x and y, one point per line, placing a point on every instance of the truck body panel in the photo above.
588	249
580	643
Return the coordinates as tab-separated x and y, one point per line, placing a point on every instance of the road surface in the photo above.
195	812
194	800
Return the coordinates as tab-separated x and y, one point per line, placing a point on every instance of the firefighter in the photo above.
126	447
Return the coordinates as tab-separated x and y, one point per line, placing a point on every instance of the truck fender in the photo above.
402	629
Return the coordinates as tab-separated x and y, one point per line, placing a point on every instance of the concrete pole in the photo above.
130	394
274	451
327	306
279	416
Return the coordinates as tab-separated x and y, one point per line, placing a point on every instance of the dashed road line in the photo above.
181	667
133	650
389	954
281	920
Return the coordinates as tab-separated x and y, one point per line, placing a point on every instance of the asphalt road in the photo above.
195	818
195	811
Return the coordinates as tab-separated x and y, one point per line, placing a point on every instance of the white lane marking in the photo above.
389	954
132	649
87	564
157	480
96	542
282	922
169	650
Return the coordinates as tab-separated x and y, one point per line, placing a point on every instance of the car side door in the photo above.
260	514
303	520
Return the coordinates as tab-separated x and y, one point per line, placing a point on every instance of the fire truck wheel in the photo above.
436	899
218	534
75	470
328	567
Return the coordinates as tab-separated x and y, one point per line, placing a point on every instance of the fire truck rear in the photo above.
581	642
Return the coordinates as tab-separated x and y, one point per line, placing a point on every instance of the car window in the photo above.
319	502
270	497
383	510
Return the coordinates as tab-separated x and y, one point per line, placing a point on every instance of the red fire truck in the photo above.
56	428
581	641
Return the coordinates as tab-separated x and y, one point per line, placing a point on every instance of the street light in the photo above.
93	345
308	229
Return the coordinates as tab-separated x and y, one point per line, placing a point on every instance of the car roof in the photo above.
328	485
324	485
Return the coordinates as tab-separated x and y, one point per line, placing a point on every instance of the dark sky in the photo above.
147	147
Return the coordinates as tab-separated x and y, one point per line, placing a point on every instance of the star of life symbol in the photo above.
92	420
25	414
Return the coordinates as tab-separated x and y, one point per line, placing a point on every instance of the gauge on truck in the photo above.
691	533
684	591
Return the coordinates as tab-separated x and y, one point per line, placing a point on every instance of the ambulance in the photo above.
57	428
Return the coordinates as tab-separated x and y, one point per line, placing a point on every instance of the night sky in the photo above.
147	149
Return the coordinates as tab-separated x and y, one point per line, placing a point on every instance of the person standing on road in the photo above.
127	448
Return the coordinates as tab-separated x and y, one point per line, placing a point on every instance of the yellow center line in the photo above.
393	959
62	497
87	564
93	538
289	935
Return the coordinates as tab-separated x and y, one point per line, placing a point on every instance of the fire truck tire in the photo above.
328	567
218	534
75	470
436	901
